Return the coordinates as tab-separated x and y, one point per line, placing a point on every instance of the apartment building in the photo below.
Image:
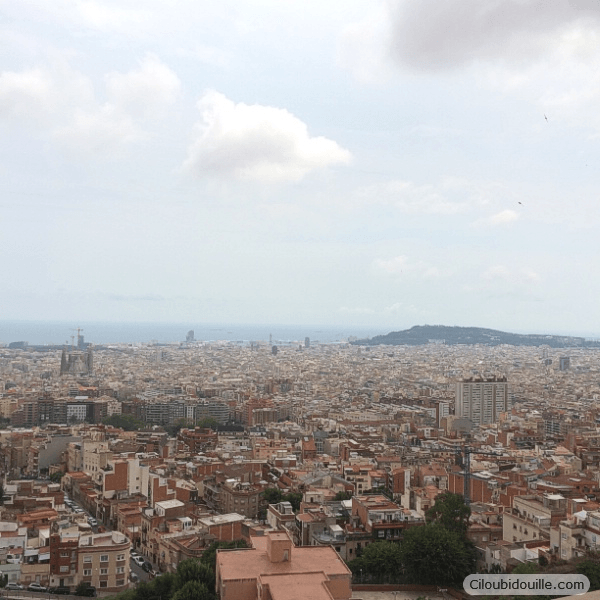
275	568
482	400
103	561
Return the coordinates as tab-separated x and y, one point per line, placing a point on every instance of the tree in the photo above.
194	570
56	477
527	568
342	496
451	512
294	498
164	586
209	556
591	569
272	495
380	562
432	554
125	422
193	590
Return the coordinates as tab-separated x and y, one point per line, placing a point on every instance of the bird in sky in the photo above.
545	117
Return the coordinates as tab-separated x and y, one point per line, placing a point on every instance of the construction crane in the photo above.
78	330
463	455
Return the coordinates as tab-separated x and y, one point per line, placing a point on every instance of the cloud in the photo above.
59	100
39	95
147	89
361	48
496	272
98	130
451	196
254	142
103	17
432	35
501	273
393	266
356	311
403	265
502	218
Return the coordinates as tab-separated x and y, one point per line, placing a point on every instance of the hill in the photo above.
430	334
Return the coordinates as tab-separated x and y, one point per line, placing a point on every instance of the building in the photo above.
482	400
103	561
276	569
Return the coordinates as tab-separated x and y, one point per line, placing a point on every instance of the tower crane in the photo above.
463	455
78	330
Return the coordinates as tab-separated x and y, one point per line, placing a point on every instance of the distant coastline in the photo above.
60	332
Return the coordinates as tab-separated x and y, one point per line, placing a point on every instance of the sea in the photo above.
102	333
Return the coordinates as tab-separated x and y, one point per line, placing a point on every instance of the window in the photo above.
120	557
87	572
120	582
104	558
103	571
104	584
64	568
87	558
120	570
64	554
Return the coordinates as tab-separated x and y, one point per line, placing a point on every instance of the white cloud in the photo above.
519	276
403	265
502	218
147	89
98	130
451	196
361	48
496	272
104	17
393	266
548	52
59	100
254	142
356	311
26	95
42	95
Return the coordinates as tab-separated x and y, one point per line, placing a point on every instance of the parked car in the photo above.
59	589
146	566
92	522
36	587
138	560
13	586
133	554
89	591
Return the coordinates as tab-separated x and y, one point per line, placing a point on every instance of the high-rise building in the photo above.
482	400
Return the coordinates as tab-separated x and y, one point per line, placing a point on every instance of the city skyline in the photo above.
373	165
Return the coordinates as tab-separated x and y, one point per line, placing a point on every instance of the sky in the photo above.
380	164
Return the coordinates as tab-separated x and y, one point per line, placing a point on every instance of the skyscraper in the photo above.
482	400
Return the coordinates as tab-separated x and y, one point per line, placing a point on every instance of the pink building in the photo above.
275	569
